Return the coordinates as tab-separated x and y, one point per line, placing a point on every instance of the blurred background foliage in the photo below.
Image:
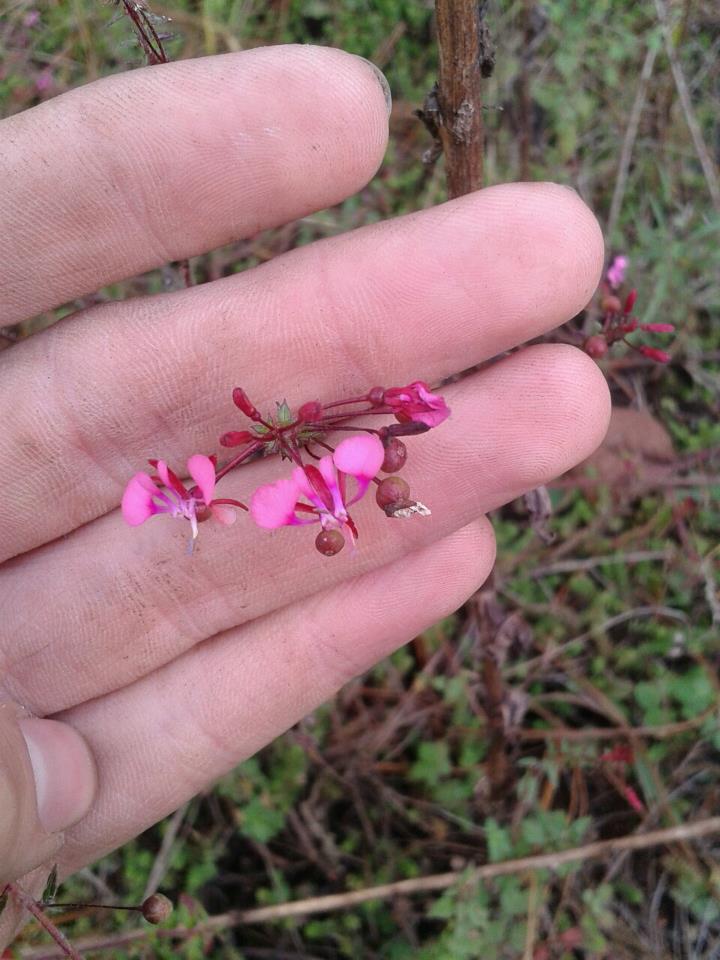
607	637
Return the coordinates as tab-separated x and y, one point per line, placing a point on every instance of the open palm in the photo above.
174	667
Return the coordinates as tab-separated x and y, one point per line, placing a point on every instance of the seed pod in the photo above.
596	346
156	908
395	456
329	542
392	490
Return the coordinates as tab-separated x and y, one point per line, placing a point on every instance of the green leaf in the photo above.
498	841
432	764
51	885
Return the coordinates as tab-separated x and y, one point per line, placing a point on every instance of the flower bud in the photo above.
310	411
630	301
329	542
235	438
659	356
392	490
395	456
376	396
596	346
658	327
241	400
156	908
409	429
610	304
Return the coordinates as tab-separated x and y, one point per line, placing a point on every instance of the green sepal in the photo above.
51	886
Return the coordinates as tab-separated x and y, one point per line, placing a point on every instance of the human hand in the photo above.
174	668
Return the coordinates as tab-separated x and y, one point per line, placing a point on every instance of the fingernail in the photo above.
64	772
382	80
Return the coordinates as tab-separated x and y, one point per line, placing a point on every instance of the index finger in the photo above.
162	163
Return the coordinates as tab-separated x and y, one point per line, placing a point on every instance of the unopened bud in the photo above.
395	455
610	303
596	346
659	356
236	438
310	411
329	542
156	908
392	490
658	327
630	301
376	396
241	400
409	428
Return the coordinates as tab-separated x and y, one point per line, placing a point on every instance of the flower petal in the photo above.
273	505
137	501
360	456
224	515
202	470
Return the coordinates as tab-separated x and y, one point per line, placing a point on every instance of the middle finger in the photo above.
421	296
120	602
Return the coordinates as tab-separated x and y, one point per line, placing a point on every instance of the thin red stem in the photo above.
236	461
32	906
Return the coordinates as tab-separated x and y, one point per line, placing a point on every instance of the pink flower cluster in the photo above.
618	320
320	492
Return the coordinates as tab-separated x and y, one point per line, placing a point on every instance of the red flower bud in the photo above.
659	356
658	327
310	411
376	396
329	542
630	301
409	429
596	346
610	303
240	399
395	456
235	438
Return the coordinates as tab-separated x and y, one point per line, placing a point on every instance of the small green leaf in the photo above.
51	886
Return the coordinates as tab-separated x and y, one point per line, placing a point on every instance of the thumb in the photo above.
47	783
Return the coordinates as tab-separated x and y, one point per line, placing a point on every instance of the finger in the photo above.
159	164
47	782
165	738
423	296
119	602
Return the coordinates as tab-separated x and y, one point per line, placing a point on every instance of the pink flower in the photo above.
324	487
165	493
44	81
31	18
615	275
416	403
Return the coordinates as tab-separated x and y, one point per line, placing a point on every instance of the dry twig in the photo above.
430	884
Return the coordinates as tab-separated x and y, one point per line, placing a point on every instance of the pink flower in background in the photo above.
324	487
44	81
416	403
31	19
615	275
146	496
